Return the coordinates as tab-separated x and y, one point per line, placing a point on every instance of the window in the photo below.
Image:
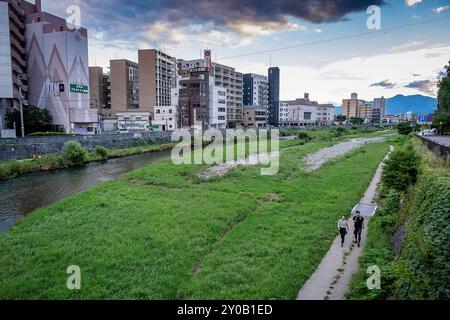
307	115
158	111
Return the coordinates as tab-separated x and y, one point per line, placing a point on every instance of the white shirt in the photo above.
343	224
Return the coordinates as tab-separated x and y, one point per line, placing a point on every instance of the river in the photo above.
29	192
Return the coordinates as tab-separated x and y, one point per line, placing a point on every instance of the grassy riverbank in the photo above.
408	238
12	169
162	233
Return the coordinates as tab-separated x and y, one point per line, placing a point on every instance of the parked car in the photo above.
427	133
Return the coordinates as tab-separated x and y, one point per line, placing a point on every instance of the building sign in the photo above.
79	88
208	60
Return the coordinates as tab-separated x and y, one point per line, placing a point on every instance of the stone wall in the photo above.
25	148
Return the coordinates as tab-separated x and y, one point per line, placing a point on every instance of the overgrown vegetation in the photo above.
162	233
442	118
408	239
35	120
73	154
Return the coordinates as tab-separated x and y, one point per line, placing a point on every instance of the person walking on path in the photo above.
359	226
343	229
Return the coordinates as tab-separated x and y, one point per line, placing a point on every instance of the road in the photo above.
442	140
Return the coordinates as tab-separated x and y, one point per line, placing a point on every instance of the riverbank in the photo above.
14	168
159	233
408	239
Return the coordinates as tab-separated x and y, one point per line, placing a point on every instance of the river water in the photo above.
29	192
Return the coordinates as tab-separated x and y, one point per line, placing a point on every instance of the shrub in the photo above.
405	128
46	134
101	152
401	169
302	135
73	154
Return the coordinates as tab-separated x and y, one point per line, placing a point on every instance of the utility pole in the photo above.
22	125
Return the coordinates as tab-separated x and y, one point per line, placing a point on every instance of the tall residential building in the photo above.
274	95
12	53
56	65
100	91
224	77
124	76
380	103
365	112
157	76
351	107
326	114
256	90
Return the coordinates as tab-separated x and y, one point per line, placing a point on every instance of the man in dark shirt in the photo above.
359	226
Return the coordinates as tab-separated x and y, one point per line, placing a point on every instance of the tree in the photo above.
405	128
356	121
441	122
35	120
341	118
444	91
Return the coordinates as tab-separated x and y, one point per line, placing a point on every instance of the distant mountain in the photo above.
401	104
418	104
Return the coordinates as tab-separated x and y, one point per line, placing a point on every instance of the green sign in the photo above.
79	88
153	126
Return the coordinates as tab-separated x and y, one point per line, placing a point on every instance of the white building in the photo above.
165	118
133	121
283	112
326	114
217	106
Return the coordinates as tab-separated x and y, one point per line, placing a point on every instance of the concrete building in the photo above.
283	113
12	54
133	121
165	118
224	77
365	112
255	117
124	75
256	90
326	114
274	96
157	76
100	91
58	71
302	112
380	103
351	107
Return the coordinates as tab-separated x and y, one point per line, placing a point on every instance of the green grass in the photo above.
161	233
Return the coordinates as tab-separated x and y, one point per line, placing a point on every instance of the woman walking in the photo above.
343	229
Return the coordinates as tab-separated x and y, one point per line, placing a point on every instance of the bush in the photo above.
303	135
46	134
405	128
401	169
73	154
101	152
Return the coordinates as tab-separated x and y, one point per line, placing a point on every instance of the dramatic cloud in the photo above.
411	3
384	84
439	10
174	20
426	86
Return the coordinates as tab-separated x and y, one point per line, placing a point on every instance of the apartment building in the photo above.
12	54
365	112
380	103
283	113
165	118
100	91
256	90
255	117
326	114
274	96
224	77
124	77
351	107
157	77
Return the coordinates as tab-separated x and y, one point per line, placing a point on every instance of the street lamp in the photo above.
20	76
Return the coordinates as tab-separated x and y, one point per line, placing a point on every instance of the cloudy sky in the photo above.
329	50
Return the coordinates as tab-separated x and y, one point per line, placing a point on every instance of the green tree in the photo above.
441	122
356	121
405	128
35	120
341	118
444	91
401	169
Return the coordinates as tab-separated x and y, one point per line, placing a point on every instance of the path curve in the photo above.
332	278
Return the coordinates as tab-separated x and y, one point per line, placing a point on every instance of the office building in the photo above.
274	95
302	112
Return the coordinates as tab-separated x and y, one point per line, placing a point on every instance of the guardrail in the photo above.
443	150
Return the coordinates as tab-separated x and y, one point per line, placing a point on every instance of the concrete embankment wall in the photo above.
25	148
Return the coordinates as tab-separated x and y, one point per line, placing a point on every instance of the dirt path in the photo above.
316	160
332	278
